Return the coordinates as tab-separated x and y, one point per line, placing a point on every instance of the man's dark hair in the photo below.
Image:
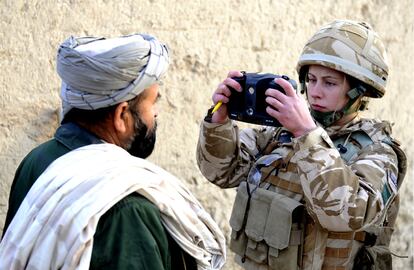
98	116
88	117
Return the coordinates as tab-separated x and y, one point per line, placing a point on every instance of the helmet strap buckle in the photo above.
356	92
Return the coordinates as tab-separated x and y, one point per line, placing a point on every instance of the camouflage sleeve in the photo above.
225	154
341	197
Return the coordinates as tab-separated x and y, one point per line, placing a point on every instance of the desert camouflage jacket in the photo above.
339	195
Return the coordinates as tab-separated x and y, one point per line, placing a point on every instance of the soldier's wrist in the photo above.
215	118
209	115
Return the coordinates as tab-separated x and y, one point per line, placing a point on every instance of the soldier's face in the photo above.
326	89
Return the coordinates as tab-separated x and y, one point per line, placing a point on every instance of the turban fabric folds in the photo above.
100	72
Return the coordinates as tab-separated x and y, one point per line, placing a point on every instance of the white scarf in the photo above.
54	226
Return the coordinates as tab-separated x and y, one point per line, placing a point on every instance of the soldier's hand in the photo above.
222	94
290	109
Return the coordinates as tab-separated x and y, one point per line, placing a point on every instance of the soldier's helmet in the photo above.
353	48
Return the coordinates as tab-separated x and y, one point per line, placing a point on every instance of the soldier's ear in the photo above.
121	117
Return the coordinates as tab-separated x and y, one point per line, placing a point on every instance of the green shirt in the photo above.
130	235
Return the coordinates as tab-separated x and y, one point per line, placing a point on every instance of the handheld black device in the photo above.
249	105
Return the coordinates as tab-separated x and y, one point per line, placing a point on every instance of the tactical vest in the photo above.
269	221
375	253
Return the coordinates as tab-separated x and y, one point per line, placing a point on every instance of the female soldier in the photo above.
322	191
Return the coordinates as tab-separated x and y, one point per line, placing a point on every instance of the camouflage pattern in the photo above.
341	197
350	47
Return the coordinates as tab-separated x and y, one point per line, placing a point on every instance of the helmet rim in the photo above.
351	47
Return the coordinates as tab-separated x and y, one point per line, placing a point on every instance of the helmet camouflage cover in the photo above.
352	48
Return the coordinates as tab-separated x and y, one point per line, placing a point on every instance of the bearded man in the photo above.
88	199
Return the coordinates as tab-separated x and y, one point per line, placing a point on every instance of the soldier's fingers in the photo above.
289	90
220	97
231	83
274	103
276	94
234	73
273	112
223	89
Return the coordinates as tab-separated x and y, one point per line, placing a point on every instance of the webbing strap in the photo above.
295	237
324	267
343	253
280	165
284	184
337	252
359	236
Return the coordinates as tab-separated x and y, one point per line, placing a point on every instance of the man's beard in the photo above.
142	143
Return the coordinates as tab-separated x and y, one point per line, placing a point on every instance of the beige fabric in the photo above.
54	227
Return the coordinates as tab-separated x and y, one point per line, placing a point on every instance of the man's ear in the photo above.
120	119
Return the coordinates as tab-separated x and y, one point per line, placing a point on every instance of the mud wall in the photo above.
207	38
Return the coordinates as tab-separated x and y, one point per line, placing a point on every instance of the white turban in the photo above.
100	72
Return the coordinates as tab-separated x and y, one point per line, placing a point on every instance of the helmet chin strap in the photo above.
326	119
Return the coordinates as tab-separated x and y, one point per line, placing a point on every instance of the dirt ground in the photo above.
207	39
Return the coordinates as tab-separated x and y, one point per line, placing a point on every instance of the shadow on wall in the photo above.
42	127
23	134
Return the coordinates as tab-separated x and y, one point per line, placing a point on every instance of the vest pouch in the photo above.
284	233
260	202
238	239
266	229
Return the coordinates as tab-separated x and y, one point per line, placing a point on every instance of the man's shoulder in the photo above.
51	147
135	204
137	201
44	154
